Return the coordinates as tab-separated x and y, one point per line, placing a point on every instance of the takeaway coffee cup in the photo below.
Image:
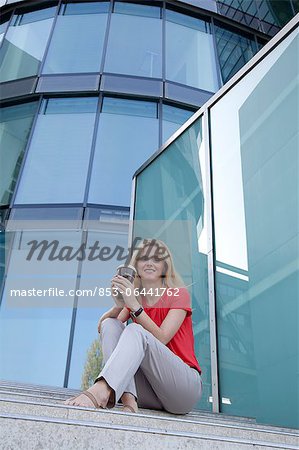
128	272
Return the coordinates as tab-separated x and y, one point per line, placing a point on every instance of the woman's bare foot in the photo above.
100	391
129	403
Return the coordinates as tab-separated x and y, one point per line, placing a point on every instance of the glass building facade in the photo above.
89	91
236	182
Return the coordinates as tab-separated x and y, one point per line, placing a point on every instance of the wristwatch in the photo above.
135	314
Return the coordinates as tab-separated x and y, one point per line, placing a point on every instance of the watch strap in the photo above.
137	313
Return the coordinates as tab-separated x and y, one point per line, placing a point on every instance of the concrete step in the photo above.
31	415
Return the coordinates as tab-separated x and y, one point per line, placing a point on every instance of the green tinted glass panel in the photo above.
254	130
24	44
15	126
170	205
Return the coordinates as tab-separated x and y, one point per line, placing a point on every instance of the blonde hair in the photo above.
170	276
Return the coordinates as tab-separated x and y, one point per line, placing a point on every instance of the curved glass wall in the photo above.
73	52
135	41
62	148
191	39
15	126
24	44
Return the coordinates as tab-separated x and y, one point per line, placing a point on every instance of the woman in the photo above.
151	362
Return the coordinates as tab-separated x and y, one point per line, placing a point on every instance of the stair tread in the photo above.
149	431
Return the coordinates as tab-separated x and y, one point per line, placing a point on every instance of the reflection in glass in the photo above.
170	205
24	44
255	186
3	26
190	38
34	330
56	166
84	362
135	45
15	127
72	51
172	119
234	51
127	136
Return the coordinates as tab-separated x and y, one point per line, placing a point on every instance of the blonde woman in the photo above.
151	362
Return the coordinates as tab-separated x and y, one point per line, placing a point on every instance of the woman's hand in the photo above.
126	289
114	292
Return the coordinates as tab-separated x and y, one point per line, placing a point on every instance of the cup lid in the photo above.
127	266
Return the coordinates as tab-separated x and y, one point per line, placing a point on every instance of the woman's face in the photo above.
150	265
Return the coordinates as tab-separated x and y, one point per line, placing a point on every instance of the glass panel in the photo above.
16	122
135	46
56	166
129	107
255	186
189	38
276	12
85	366
24	44
3	25
35	329
73	52
86	8
234	51
172	119
120	150
170	205
137	10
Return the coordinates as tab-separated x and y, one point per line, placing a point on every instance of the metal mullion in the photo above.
217	56
7	262
49	39
74	315
26	152
92	150
211	264
132	211
160	119
105	43
163	18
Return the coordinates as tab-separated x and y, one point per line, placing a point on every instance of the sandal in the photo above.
91	397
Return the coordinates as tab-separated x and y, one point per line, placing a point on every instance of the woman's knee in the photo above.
111	322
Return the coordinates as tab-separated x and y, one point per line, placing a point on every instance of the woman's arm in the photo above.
124	315
169	326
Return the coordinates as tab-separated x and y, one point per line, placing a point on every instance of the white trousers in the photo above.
137	362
